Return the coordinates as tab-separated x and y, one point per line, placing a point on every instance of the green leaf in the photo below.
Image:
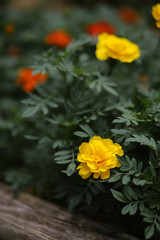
30	111
158	226
110	90
149	214
81	134
30	137
44	109
133	163
76	44
28	101
35	72
119	196
148	220
143	140
63	157
139	182
100	186
126	179
133	209
63	152
76	200
63	162
114	177
88	197
87	129
70	169
126	209
140	165
129	192
52	104
149	231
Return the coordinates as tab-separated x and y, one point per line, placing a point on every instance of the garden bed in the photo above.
24	216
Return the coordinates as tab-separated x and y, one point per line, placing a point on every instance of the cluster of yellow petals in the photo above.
97	157
118	48
156	14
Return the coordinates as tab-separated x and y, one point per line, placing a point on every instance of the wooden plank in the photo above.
29	218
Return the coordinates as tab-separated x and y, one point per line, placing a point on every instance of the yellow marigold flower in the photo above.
156	14
117	48
97	157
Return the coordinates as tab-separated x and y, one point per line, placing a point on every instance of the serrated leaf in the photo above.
87	129
63	157
110	90
140	165
44	109
133	209
139	182
129	192
81	134
76	44
88	197
30	137
148	220
149	231
28	101
70	169
100	186
76	200
119	196
63	162
52	104
148	214
114	177
35	72
158	226
30	111
126	179
126	209
63	152
133	163
143	140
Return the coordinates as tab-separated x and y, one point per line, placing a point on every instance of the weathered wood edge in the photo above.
30	218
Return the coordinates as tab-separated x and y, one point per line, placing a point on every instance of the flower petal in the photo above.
105	175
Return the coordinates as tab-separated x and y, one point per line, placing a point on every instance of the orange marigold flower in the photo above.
59	38
9	28
14	51
29	81
97	157
144	78
128	15
143	81
100	27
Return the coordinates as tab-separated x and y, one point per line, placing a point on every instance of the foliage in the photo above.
83	97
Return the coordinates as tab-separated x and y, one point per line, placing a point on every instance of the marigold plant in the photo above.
60	129
118	48
59	38
156	14
29	81
97	157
